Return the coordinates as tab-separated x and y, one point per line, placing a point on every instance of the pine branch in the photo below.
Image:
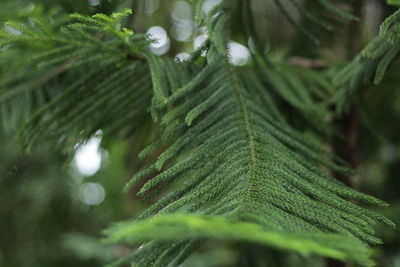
238	163
116	84
370	63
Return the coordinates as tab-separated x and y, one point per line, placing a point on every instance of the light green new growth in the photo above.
183	226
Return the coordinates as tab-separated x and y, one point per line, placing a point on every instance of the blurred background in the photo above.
54	205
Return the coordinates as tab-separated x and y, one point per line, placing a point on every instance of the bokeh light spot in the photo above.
92	193
150	6
161	43
87	158
239	54
94	2
209	4
182	56
199	40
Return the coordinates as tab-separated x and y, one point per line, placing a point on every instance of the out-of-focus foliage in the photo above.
373	61
380	154
43	219
37	207
393	2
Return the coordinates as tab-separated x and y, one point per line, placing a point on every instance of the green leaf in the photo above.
393	2
178	226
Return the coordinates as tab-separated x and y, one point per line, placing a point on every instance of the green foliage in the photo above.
36	206
183	226
393	2
373	60
235	161
97	43
239	153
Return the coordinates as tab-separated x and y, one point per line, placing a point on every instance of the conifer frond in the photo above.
69	43
229	156
184	227
304	90
288	83
115	91
371	62
108	97
314	18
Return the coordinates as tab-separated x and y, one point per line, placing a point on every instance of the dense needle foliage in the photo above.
235	153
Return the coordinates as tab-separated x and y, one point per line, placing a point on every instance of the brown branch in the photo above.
349	124
308	63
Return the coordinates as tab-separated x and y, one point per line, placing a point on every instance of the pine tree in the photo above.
242	154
